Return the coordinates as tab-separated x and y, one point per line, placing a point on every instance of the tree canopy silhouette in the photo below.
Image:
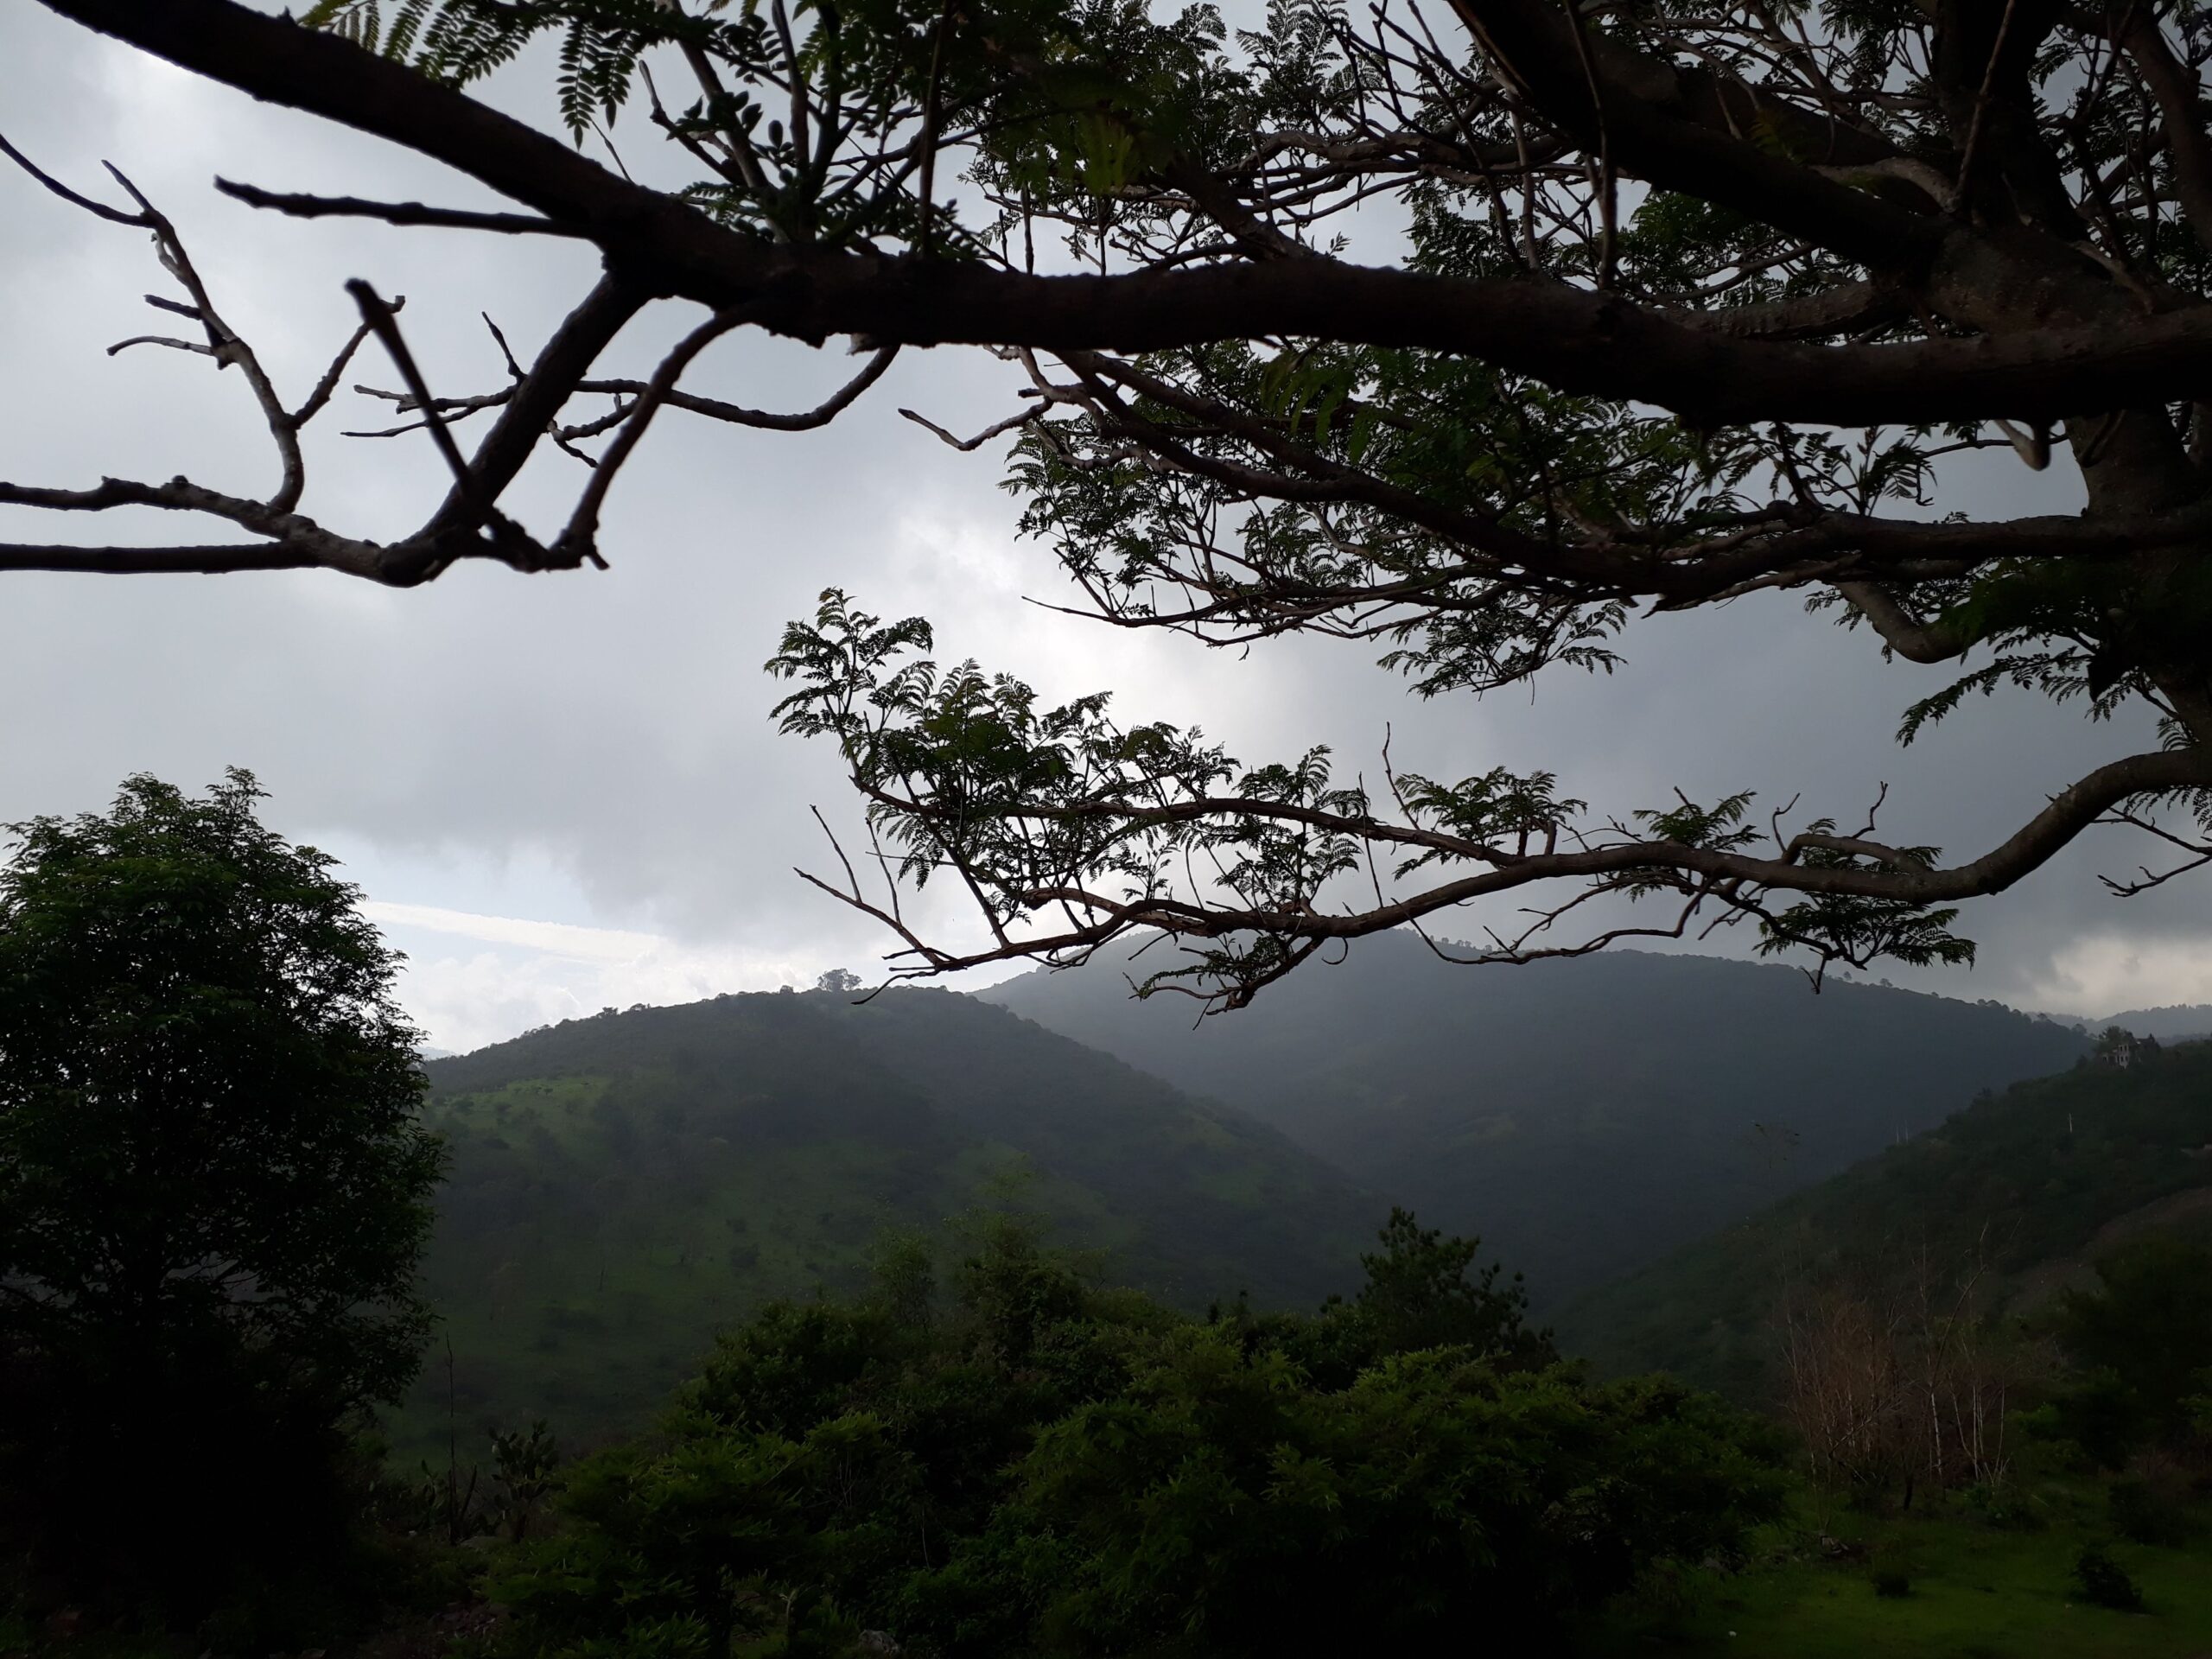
1675	306
213	1191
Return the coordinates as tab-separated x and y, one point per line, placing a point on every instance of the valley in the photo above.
622	1186
1585	1117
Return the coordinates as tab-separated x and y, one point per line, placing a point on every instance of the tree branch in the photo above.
394	213
1575	340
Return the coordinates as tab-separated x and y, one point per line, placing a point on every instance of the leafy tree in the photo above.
1688	307
1217	1507
2143	1337
1422	1290
214	1188
1042	1467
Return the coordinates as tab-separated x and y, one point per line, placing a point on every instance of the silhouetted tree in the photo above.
214	1188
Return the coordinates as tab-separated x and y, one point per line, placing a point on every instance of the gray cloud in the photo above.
595	748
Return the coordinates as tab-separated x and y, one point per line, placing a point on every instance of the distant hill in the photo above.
2027	1182
623	1186
1585	1116
2182	1022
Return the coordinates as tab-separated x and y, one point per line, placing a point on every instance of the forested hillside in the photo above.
624	1185
1583	1116
2021	1183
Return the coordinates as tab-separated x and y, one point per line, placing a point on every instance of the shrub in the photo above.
2104	1582
1891	1570
2145	1512
2002	1505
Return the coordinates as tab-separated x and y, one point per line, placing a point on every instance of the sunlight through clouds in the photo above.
532	973
2102	972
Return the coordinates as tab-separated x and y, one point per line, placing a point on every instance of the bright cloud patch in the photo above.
528	973
2104	972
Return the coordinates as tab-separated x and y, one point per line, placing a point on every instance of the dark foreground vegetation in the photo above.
1027	1464
218	1183
214	1188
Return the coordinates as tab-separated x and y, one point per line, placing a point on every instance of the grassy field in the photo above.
1977	1591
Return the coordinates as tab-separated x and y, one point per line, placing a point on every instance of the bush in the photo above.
2105	1583
2145	1336
2145	1512
1891	1570
2002	1505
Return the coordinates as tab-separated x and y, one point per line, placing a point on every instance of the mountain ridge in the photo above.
2021	1187
624	1184
1583	1115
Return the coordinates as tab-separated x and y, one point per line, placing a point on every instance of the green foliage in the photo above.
2147	1511
2145	1337
213	1190
624	1186
2016	1180
458	42
1219	1507
1423	1290
2105	1583
1035	809
1042	1467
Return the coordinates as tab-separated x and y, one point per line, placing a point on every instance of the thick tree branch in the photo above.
163	561
1575	339
1687	133
1903	632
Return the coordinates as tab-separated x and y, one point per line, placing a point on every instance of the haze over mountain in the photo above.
624	1185
2022	1186
1584	1116
2183	1022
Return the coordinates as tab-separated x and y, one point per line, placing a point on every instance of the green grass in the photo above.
1977	1592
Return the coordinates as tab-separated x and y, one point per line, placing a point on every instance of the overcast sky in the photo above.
563	791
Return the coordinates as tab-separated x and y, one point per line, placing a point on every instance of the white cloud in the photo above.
2104	973
564	940
535	973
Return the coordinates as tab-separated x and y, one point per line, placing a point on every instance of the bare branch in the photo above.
395	212
113	215
580	539
996	430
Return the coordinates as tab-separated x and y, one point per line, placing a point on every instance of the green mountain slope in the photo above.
2025	1182
623	1186
1583	1116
